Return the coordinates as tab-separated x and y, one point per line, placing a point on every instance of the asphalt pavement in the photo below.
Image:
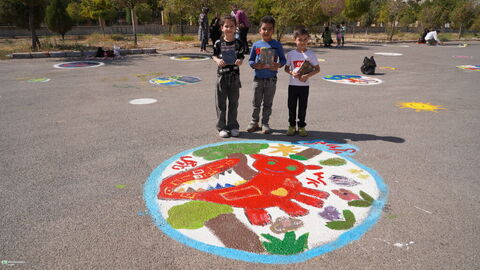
75	154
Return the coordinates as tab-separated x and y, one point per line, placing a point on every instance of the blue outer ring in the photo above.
151	190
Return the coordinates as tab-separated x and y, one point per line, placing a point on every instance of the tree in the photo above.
409	14
390	13
27	14
462	16
354	9
57	18
144	13
131	4
332	7
98	9
74	11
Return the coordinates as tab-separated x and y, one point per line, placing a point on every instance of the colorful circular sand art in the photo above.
388	54
190	57
174	80
79	64
38	80
470	67
265	201
352	79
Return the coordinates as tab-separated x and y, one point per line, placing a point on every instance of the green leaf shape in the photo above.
333	162
222	151
193	215
288	246
366	197
343	225
298	157
359	203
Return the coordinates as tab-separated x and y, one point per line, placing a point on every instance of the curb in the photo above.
77	53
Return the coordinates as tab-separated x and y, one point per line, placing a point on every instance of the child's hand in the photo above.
221	63
274	66
258	66
296	74
303	78
238	62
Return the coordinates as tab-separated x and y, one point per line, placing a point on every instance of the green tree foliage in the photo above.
462	16
390	14
144	13
27	14
57	18
354	9
98	9
409	14
332	8
74	11
131	4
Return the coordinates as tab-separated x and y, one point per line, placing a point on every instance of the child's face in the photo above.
228	28
266	31
302	42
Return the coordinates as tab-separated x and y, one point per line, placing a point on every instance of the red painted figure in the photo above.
275	185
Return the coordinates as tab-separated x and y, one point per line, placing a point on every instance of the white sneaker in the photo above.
223	134
235	132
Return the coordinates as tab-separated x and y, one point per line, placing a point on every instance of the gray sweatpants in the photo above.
228	87
264	91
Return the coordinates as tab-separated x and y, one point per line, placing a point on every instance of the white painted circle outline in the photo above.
388	54
143	101
379	81
99	64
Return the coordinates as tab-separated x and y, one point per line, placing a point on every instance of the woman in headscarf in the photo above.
203	29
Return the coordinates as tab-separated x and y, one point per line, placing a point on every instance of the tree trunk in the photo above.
234	234
101	22
31	24
460	32
392	30
353	31
134	29
182	32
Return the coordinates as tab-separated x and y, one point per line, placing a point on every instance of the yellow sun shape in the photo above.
285	149
419	106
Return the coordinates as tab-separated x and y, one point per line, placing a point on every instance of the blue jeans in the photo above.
264	91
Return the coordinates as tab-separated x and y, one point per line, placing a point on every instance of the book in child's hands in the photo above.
305	68
266	56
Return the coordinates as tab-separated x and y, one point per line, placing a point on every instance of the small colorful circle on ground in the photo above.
352	79
175	80
265	201
470	67
388	54
79	64
36	80
190	57
143	101
388	68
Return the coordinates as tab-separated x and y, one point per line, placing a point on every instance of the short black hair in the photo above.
228	17
300	31
268	19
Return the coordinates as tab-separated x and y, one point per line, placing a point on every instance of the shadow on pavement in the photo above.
339	137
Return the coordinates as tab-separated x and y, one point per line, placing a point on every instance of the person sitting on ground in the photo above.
421	40
327	37
432	38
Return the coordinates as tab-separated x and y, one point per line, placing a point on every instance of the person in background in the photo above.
215	29
203	29
343	31
327	37
338	34
243	26
432	38
421	40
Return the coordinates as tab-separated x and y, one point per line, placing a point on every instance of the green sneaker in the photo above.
291	131
302	132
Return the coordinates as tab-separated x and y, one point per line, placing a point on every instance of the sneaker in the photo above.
253	126
234	132
302	132
223	134
291	131
266	129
